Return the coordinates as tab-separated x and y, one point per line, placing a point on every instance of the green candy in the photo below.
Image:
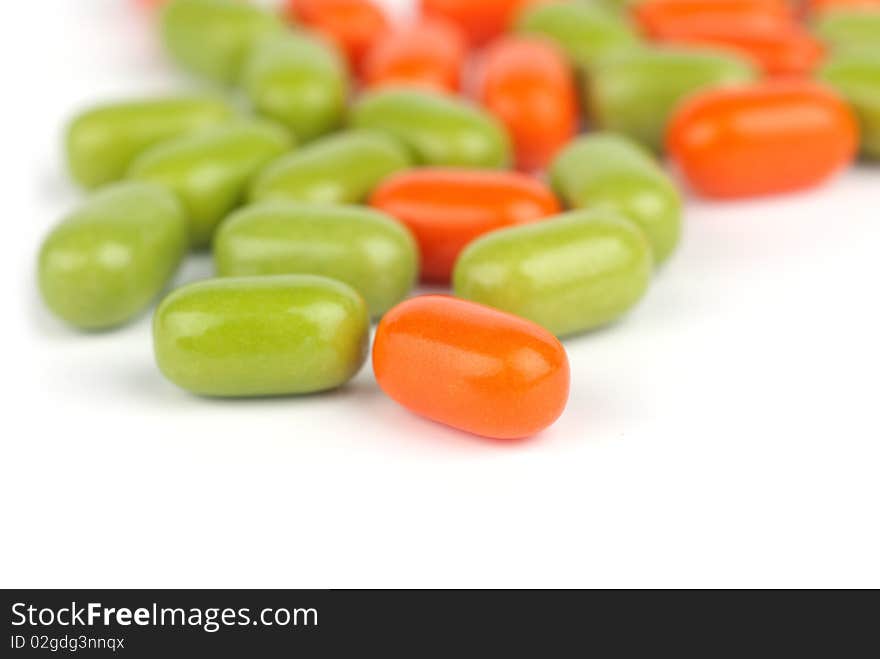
585	32
845	29
101	143
439	130
366	249
340	169
636	92
261	336
608	170
212	38
856	75
299	81
105	263
572	273
210	170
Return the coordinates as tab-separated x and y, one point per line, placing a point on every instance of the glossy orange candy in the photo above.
471	367
481	20
528	84
771	137
430	54
446	209
353	25
661	19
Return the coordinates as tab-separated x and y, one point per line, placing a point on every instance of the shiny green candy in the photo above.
107	261
261	336
438	130
298	81
635	92
102	142
572	273
856	75
210	170
366	249
585	32
341	169
609	170
212	38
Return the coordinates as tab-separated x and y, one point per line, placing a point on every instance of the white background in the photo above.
725	434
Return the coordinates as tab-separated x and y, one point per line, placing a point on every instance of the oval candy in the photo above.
471	367
261	336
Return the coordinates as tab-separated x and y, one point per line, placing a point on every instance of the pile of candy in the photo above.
373	155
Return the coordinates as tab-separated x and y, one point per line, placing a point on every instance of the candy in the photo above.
212	38
448	208
298	81
438	130
105	263
429	54
570	274
528	84
353	25
585	32
635	93
608	170
339	169
102	142
767	138
261	336
471	367
366	249
210	170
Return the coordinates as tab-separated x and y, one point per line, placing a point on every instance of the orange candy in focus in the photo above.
447	209
771	137
481	20
429	54
659	19
471	367
353	25
529	86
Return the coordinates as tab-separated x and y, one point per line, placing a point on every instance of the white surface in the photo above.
725	434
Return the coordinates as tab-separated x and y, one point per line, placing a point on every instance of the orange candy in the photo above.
659	19
528	84
784	51
353	25
429	54
471	367
771	137
447	209
481	20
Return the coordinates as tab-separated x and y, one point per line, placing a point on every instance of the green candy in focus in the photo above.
439	130
572	273
299	81
609	170
849	29
108	260
212	38
635	92
261	336
366	249
340	169
102	142
856	75
210	170
585	32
